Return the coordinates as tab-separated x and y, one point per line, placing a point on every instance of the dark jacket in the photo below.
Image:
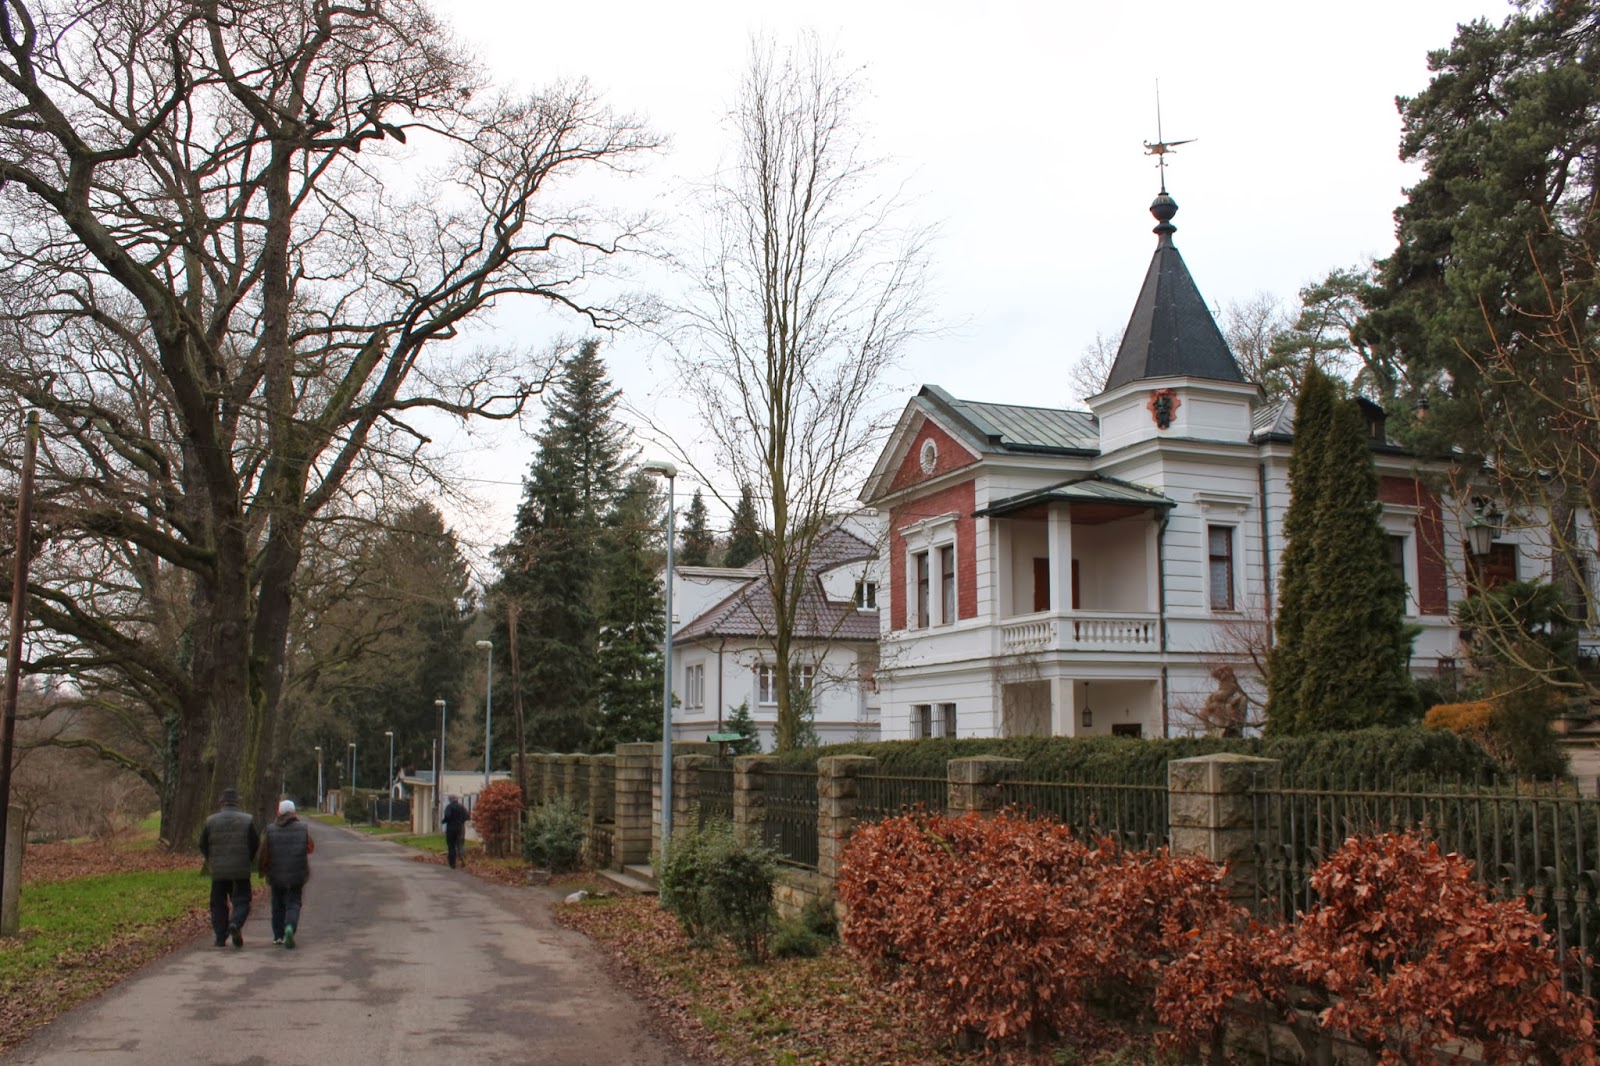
455	817
229	841
286	849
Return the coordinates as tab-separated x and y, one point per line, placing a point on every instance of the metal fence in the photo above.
789	819
1535	842
880	796
716	792
1135	815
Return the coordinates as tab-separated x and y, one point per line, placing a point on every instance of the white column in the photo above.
1060	537
1004	580
1063	708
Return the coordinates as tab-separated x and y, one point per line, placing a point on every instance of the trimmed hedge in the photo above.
1380	756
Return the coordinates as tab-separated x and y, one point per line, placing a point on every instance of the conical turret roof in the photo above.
1171	332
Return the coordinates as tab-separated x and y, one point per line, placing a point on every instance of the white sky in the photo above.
1019	127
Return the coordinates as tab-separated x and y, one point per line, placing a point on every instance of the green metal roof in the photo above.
1008	427
1084	490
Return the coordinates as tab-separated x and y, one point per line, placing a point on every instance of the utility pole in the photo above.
512	612
19	600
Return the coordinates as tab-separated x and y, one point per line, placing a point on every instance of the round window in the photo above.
929	457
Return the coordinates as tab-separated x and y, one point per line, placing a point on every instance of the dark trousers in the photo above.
223	892
285	908
454	848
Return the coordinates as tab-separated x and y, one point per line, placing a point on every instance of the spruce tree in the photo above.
632	621
551	567
1296	597
697	542
739	721
744	531
1355	642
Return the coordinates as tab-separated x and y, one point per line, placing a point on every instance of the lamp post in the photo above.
662	468
389	815
488	704
438	778
352	768
318	750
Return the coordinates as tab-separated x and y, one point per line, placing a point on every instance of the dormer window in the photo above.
866	595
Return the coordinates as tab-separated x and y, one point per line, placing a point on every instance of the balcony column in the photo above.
1063	707
1060	538
1005	581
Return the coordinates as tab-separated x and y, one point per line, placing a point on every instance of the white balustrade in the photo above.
1080	631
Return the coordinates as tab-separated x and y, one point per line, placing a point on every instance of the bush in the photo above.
791	939
1011	927
718	883
495	814
356	807
553	836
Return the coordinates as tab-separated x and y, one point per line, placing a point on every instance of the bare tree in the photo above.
808	294
234	235
1088	375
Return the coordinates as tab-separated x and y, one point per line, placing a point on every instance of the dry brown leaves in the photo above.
46	863
513	872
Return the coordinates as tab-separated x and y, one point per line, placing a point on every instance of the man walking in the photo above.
229	842
455	826
286	864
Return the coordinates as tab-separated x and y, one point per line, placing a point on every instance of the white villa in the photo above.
1057	572
722	651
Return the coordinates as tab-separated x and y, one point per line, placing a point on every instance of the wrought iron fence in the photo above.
578	786
1134	815
1535	842
880	796
789	816
715	788
597	844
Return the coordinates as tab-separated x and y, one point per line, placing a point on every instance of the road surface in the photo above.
395	962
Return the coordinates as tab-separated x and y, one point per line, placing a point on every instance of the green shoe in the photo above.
288	937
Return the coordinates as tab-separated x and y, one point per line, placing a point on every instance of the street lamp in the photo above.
488	704
389	817
318	749
1483	527
438	778
352	769
662	468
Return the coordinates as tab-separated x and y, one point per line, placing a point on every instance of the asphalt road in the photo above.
395	962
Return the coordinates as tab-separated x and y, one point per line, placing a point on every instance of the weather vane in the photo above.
1160	146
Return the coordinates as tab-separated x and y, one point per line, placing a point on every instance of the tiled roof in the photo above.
749	611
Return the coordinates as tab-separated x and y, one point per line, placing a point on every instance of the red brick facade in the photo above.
959	499
953	455
1432	593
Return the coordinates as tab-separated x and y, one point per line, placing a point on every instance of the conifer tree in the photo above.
1356	642
1296	599
739	721
550	568
632	621
698	542
744	531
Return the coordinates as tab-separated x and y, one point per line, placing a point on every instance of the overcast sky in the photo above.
1019	129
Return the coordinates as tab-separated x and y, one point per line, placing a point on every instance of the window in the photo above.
694	686
921	560
1219	546
866	595
947	719
1580	609
947	584
805	675
1041	584
922	720
766	685
1397	557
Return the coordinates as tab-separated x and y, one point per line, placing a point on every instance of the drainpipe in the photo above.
1266	548
722	643
1161	616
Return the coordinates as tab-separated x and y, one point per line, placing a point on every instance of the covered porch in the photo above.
1077	707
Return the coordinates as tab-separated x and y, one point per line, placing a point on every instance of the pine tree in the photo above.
552	565
1356	642
739	721
698	542
1296	598
632	621
744	531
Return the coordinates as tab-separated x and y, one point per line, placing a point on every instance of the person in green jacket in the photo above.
229	842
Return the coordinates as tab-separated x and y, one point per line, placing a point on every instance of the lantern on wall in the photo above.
1483	526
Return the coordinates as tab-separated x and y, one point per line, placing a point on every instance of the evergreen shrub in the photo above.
1373	755
356	807
552	837
718	883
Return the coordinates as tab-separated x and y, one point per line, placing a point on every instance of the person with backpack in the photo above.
285	862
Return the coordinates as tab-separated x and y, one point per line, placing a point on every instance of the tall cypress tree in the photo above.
744	531
632	621
551	566
1296	597
697	542
1356	641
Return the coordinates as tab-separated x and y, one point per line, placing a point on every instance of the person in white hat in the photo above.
286	864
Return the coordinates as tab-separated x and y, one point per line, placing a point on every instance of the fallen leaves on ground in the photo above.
501	871
48	863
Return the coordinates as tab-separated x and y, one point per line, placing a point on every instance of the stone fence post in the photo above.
975	783
632	808
685	789
749	792
602	788
567	776
1212	814
838	794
